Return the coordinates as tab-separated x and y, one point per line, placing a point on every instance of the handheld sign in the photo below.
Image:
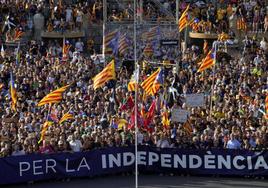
195	100
179	115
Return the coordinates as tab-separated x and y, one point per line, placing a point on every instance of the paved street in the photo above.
151	181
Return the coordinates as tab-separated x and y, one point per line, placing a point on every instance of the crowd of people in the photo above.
208	16
246	16
233	117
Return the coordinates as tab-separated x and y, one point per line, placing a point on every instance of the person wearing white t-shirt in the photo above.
75	144
263	44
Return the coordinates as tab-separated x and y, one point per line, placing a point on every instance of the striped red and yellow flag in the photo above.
131	86
152	33
133	81
107	40
241	24
188	127
109	37
53	97
148	83
159	81
123	44
66	117
208	61
183	21
44	130
108	73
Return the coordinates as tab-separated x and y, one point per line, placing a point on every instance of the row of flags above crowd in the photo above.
117	43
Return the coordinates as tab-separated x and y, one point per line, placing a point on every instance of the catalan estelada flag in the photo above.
148	83
13	93
153	33
194	24
208	61
159	80
44	130
53	97
66	117
123	44
133	81
107	74
108	38
188	127
183	21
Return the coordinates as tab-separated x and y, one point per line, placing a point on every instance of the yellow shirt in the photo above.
220	14
121	123
219	115
257	72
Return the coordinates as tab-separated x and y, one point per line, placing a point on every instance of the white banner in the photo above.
179	115
195	100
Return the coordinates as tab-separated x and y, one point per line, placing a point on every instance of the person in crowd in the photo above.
232	117
233	143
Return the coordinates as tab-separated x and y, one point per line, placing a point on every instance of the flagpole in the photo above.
179	46
215	46
136	93
104	7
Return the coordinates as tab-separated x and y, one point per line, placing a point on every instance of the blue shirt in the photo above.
233	144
